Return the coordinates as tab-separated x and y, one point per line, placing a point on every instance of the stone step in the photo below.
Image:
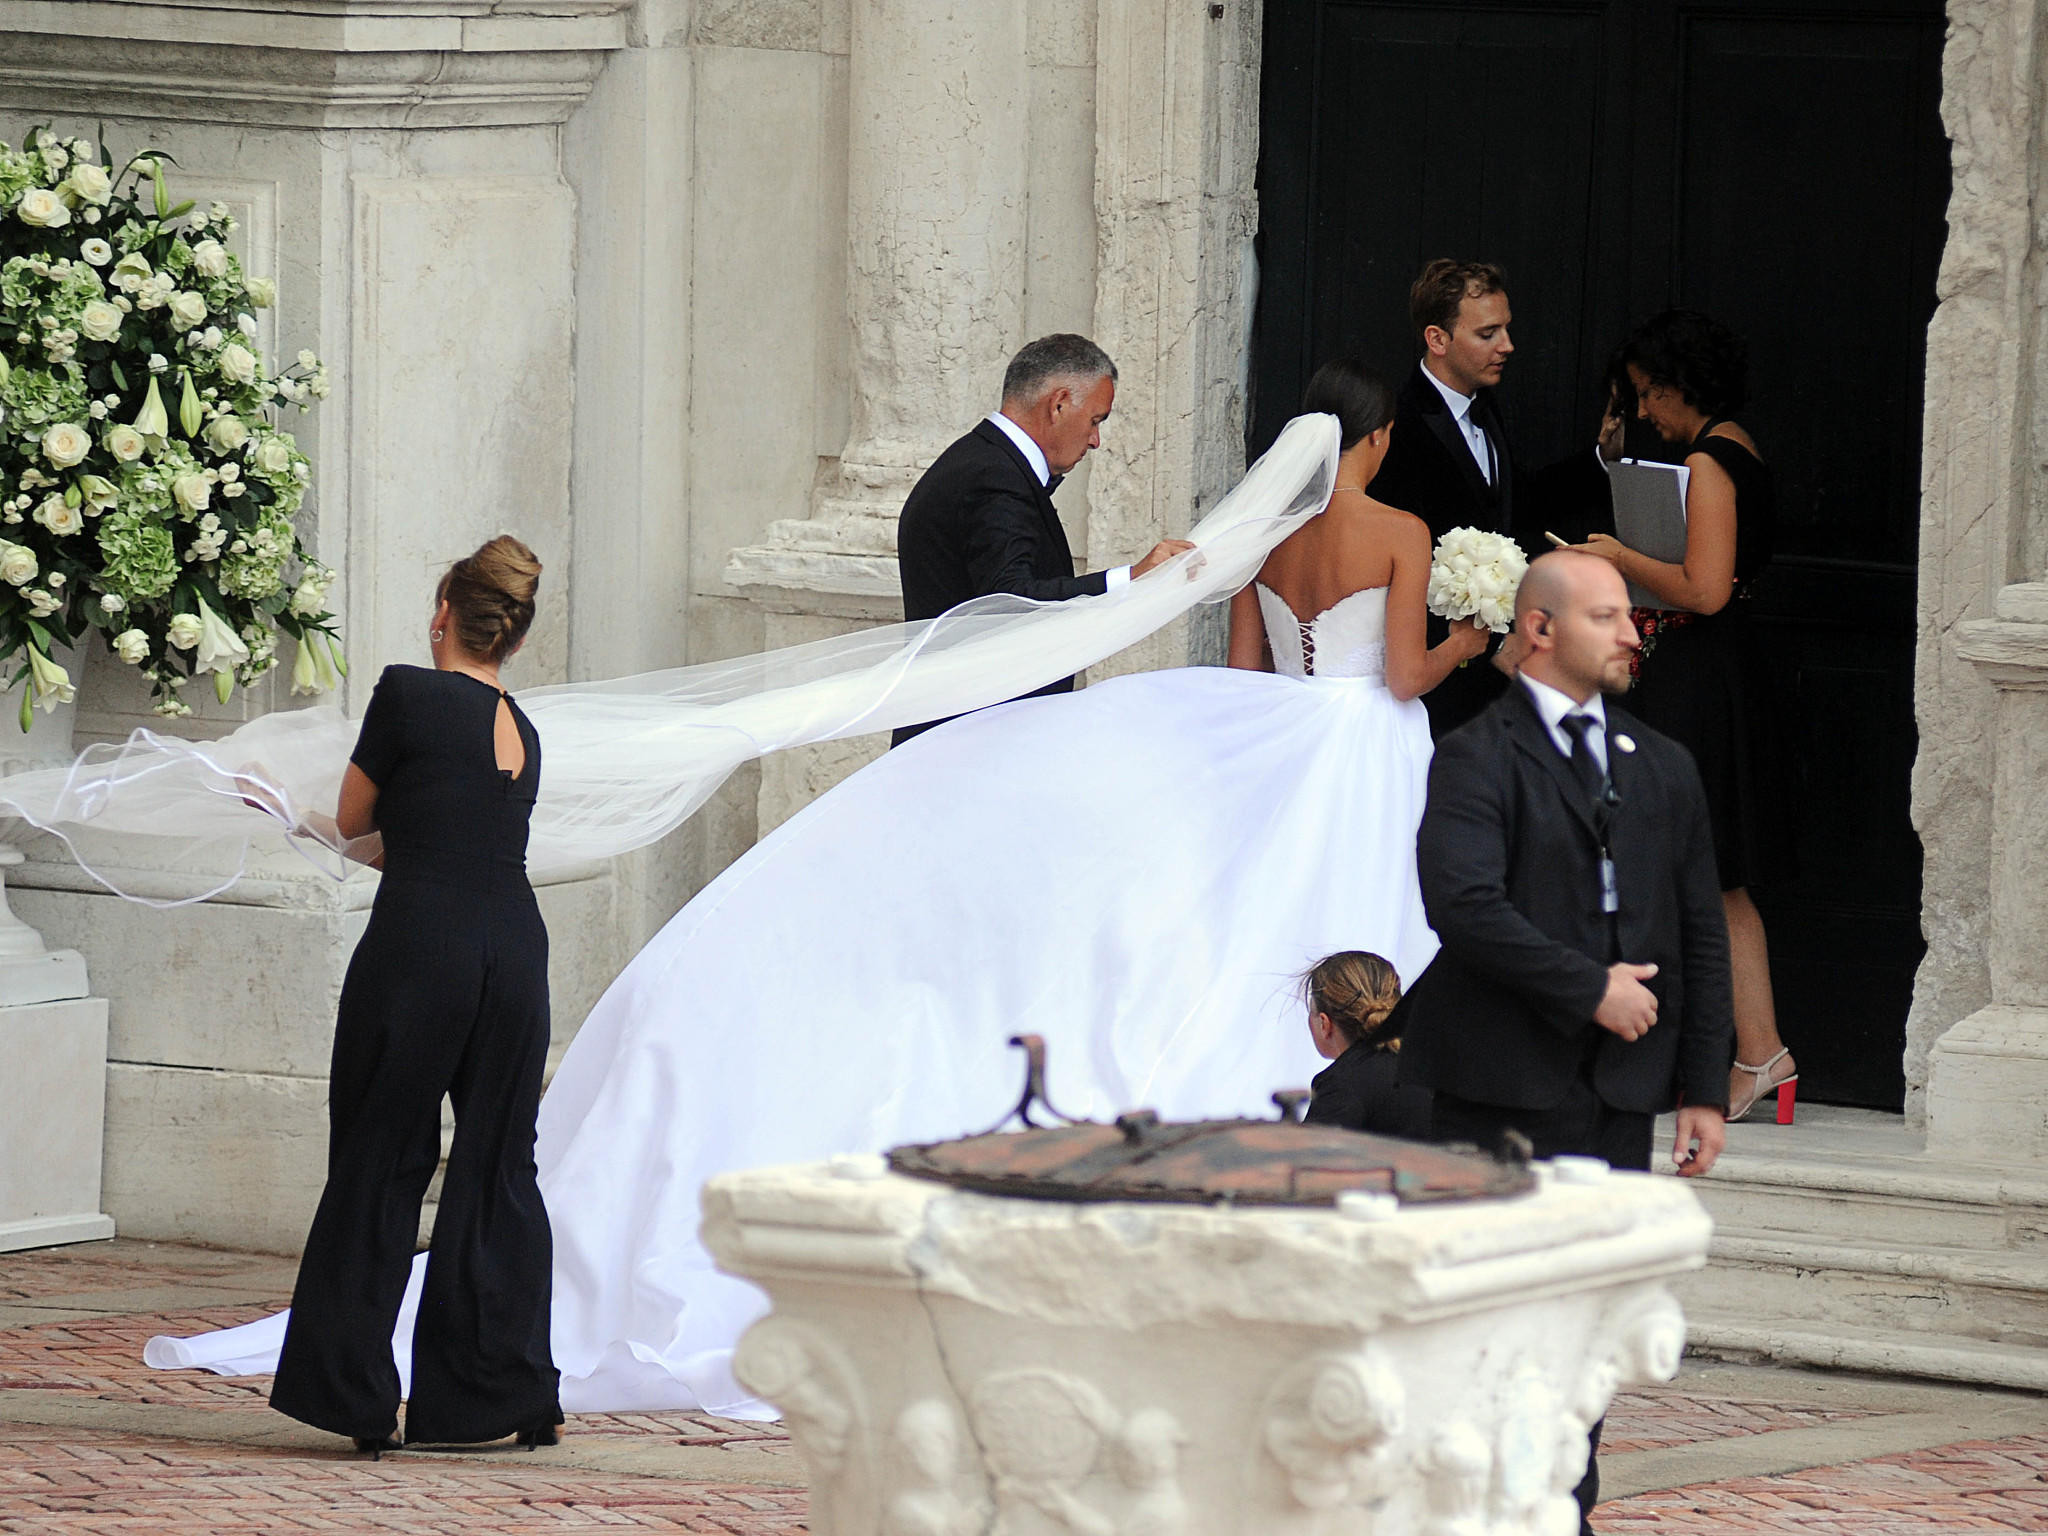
1839	1242
1875	1350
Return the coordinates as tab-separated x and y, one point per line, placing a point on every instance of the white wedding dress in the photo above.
1138	872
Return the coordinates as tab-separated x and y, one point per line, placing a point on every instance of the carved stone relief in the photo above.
1330	1423
1054	1444
927	1501
811	1380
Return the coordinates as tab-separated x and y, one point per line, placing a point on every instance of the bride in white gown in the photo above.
1137	872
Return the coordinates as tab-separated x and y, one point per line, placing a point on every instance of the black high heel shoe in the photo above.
547	1432
375	1447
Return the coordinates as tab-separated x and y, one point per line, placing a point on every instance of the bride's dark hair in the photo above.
1360	399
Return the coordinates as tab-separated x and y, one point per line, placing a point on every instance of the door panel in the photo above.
1781	166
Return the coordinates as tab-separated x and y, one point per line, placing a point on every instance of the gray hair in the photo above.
1051	360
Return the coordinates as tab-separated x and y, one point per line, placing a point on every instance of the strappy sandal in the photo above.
1761	1084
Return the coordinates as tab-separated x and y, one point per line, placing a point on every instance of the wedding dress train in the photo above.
1138	872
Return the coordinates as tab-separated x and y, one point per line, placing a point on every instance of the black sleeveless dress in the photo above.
447	993
1699	680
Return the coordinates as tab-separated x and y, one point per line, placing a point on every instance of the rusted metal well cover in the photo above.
1202	1162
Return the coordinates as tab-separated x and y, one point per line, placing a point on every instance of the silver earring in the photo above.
438	636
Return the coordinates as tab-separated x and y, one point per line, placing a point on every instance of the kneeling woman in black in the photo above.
1355	1020
447	994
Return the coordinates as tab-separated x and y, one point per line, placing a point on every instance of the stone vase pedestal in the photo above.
953	1362
53	1090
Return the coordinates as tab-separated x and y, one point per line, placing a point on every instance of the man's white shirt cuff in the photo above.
1118	576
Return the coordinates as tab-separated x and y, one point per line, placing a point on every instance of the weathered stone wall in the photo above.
1982	487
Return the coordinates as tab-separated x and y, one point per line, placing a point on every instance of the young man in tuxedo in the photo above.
981	519
1449	462
1568	869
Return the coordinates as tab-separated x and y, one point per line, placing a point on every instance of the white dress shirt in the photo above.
1474	434
1035	457
1553	706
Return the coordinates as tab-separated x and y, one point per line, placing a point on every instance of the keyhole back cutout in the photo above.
506	742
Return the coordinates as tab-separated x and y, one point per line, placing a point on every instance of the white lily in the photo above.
50	683
220	649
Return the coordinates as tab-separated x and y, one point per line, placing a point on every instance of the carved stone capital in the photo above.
310	63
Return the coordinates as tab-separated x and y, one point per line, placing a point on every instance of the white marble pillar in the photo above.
1987	1090
937	138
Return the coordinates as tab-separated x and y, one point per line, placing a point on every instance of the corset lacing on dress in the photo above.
1348	639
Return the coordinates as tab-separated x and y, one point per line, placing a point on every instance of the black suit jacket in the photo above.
1430	471
976	523
1509	856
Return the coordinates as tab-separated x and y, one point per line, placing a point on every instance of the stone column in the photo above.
1981	348
1176	206
1987	1090
938	128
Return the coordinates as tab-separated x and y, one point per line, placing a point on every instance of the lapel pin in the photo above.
1626	742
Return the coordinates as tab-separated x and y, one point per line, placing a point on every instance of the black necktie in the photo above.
1585	766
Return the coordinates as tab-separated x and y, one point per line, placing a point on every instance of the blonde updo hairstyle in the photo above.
1358	990
490	597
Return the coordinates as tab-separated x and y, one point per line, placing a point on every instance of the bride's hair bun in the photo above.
1360	399
490	597
1358	990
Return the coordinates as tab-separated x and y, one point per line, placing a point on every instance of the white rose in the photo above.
211	258
55	158
132	646
124	443
184	630
42	209
17	564
274	455
246	324
192	492
262	291
60	517
88	183
65	444
112	602
188	310
211	337
238	363
227	434
99	320
97	251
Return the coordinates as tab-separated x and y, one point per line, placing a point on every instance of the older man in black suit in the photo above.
1568	869
981	520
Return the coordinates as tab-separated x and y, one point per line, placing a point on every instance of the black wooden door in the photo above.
1781	166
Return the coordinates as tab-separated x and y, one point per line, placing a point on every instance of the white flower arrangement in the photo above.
1473	575
146	487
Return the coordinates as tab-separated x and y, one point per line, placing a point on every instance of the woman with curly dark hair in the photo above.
1694	682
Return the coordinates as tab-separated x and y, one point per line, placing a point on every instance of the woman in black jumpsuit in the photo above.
447	993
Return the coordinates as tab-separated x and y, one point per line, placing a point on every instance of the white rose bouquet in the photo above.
1473	575
146	488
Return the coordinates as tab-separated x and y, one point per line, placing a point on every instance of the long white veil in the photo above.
626	761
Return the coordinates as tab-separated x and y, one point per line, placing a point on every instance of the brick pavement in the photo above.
128	1459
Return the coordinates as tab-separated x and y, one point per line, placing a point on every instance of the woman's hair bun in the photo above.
490	597
1358	990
